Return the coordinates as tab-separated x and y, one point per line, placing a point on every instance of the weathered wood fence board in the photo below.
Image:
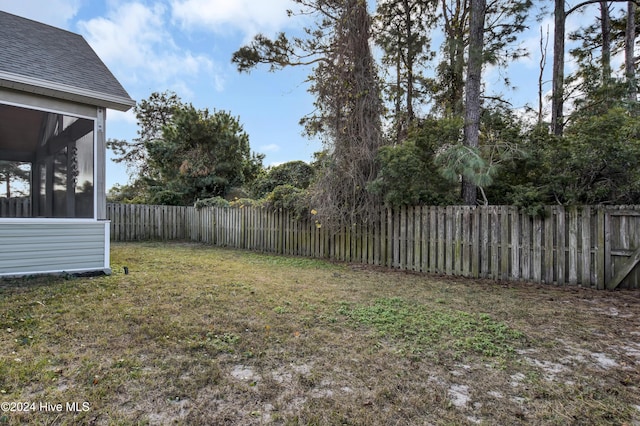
15	207
580	245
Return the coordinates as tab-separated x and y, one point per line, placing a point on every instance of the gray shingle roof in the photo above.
48	60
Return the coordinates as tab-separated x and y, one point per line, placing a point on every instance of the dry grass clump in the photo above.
197	335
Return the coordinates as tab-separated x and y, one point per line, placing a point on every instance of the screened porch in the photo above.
47	164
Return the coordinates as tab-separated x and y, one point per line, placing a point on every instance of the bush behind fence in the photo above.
581	245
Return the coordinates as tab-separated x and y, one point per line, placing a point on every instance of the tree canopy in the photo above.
418	123
186	153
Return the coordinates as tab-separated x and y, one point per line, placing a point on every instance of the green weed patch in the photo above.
426	330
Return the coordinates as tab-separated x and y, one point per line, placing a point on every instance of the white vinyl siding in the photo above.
37	247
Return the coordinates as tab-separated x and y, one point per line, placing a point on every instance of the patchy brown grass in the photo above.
197	335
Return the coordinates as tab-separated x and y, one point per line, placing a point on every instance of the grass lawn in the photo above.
197	335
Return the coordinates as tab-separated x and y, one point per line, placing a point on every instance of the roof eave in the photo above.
66	92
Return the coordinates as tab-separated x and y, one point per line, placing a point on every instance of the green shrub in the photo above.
295	173
290	198
167	198
211	202
236	193
246	202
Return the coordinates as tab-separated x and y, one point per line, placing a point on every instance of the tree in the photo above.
152	115
605	26
599	156
599	89
473	90
504	19
629	51
402	31
557	91
594	162
10	172
348	104
182	153
544	42
449	93
135	192
409	172
200	155
349	94
596	38
557	80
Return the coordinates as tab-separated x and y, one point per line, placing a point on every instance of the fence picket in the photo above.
457	241
548	247
448	240
561	251
474	232
467	241
417	247
536	261
586	245
505	243
484	248
515	243
525	251
602	245
494	221
433	240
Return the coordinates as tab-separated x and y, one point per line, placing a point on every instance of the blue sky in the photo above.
186	46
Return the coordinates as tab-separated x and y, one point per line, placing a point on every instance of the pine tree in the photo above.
403	32
348	104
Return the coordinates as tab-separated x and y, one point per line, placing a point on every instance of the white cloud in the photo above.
270	148
128	117
248	16
133	40
126	36
58	13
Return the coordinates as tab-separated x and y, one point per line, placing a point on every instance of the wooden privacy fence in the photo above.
589	246
15	207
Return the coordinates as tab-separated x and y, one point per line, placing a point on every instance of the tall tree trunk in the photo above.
629	50
473	89
399	119
557	91
455	34
8	176
346	86
605	25
409	63
544	42
560	18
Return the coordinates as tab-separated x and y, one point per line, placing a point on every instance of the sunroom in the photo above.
54	94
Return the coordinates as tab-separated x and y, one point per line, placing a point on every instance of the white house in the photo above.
54	92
